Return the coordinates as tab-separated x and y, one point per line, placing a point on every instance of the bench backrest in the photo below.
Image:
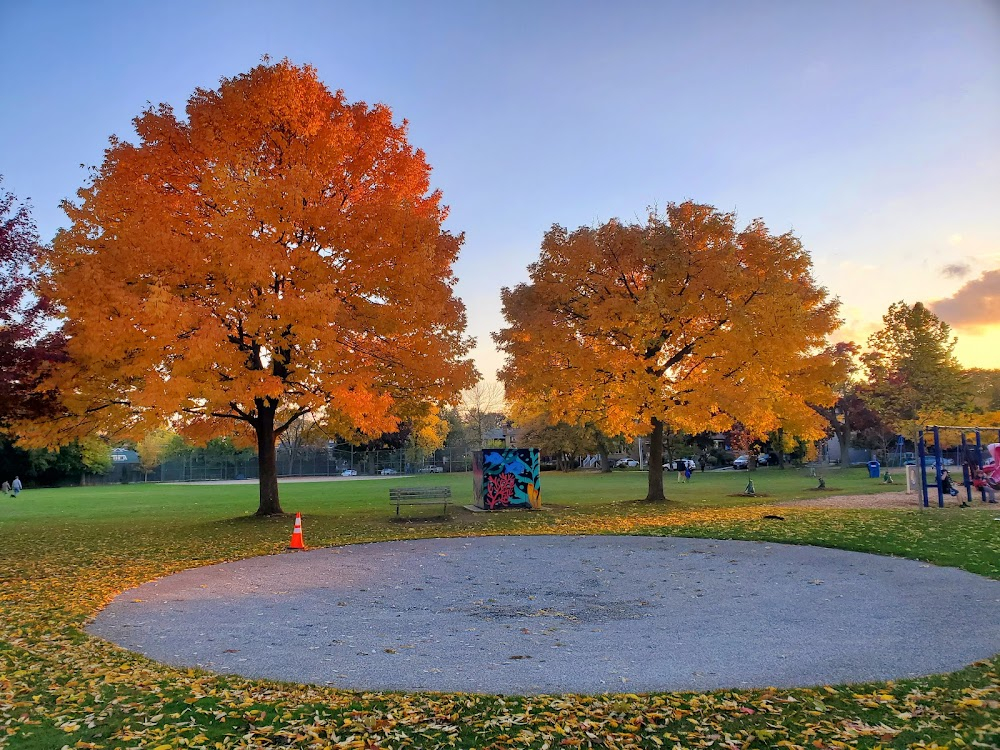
410	493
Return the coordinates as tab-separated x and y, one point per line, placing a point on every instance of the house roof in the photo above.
124	456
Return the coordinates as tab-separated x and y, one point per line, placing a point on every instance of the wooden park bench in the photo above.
421	496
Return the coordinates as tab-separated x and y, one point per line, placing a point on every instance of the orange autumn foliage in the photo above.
277	253
685	322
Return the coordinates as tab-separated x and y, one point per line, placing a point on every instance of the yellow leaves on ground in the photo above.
56	682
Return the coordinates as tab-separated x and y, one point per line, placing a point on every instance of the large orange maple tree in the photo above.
277	253
685	322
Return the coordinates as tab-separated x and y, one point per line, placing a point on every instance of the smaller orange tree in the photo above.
276	254
684	321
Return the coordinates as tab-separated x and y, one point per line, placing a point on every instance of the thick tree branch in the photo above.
284	426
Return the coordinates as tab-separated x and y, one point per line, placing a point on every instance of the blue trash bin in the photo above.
873	467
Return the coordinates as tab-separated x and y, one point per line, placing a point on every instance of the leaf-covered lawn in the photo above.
65	553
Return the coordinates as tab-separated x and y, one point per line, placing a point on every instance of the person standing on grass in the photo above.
16	486
701	463
687	472
5	487
680	467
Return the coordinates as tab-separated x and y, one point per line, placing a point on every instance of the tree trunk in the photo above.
844	436
655	493
604	450
842	429
781	448
267	464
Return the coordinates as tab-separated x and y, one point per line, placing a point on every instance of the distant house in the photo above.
502	437
121	456
831	453
124	466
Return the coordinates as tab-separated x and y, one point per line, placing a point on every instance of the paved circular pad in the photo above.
549	614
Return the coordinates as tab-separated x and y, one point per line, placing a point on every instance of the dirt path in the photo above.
553	614
880	500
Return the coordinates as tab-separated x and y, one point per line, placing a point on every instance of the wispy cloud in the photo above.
975	306
957	270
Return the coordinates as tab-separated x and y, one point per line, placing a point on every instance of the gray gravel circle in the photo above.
556	614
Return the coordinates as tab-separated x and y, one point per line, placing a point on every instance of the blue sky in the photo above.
871	129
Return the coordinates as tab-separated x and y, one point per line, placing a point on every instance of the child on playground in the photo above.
989	488
946	485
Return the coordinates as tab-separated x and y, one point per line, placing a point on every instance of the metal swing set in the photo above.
977	458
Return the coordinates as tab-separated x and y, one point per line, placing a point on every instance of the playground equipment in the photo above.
967	456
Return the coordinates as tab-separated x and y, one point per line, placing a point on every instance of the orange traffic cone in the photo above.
296	542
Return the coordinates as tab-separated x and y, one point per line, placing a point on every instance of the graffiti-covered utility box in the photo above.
506	478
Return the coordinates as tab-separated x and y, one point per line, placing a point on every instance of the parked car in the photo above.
387	471
930	462
689	463
431	470
348	473
626	463
743	461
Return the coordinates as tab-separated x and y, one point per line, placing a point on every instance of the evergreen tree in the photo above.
912	368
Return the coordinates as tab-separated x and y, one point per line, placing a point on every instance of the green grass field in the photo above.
66	552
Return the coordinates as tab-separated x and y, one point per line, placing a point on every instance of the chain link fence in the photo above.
308	462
